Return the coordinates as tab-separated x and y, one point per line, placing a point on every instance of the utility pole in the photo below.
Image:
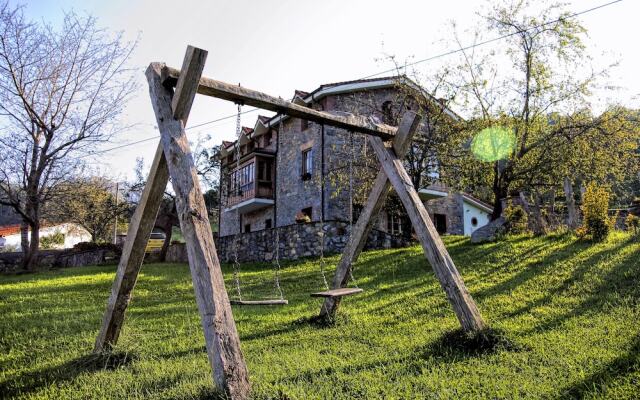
115	224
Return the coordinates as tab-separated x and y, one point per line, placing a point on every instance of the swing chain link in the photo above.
322	234
236	187
277	241
351	158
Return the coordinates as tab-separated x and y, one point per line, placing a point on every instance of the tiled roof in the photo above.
384	78
263	118
8	230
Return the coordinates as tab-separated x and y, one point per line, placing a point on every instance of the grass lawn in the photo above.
568	311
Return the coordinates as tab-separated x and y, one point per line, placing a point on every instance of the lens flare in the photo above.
493	144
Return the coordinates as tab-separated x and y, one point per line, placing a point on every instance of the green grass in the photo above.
568	309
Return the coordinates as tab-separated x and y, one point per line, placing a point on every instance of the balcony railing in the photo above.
248	191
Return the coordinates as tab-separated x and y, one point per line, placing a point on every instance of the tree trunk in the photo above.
30	260
24	237
540	227
572	215
499	194
168	232
500	189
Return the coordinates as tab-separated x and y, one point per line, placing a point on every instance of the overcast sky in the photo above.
279	46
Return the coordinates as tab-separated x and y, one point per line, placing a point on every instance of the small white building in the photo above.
454	213
73	234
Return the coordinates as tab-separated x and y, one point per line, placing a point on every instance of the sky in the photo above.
279	46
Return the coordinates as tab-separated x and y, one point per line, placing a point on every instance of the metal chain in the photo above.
277	242
351	158
321	233
277	266
236	263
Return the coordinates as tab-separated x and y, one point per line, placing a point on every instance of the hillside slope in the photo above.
567	311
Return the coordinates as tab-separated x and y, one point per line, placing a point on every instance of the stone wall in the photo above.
11	262
297	240
450	206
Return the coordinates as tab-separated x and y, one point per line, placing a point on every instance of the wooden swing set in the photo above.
172	94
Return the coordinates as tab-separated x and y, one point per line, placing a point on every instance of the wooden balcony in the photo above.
255	177
251	198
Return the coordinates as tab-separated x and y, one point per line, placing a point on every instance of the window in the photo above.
264	171
242	180
247	228
266	139
440	221
394	224
474	221
305	215
387	113
267	223
307	163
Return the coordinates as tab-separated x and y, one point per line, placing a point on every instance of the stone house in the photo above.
291	172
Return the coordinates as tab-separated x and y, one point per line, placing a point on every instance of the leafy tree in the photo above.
544	105
91	203
61	92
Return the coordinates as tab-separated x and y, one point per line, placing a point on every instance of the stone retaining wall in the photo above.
298	240
11	262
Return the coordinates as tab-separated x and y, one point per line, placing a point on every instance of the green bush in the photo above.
595	207
517	220
52	241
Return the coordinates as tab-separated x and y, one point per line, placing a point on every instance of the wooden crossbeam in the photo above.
364	224
238	94
432	245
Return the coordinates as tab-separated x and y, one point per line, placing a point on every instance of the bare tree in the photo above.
61	92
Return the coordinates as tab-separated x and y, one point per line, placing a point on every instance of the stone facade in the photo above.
451	209
324	191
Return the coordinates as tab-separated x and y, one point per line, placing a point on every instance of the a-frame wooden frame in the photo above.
173	159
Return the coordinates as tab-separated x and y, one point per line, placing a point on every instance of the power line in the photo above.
448	53
157	137
445	54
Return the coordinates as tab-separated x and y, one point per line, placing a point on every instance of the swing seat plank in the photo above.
337	292
275	302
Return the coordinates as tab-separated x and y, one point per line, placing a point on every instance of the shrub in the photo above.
632	223
517	220
595	205
88	246
56	239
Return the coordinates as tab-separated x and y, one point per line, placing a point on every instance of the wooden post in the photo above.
432	245
221	337
362	228
133	251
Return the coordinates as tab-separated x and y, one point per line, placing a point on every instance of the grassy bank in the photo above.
568	311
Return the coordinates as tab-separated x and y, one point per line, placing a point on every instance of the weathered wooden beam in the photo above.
193	64
366	220
238	94
140	228
221	337
432	245
144	218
